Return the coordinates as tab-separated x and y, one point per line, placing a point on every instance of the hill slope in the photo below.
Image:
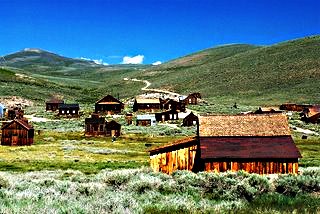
284	72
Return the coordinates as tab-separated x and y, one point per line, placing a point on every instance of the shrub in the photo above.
4	183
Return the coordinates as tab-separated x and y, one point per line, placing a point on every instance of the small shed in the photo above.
113	128
17	133
53	104
146	120
148	105
259	144
167	116
69	110
190	120
109	105
95	125
2	110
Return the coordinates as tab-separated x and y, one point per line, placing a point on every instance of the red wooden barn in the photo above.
109	105
255	143
17	133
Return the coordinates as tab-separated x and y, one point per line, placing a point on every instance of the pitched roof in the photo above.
244	125
55	100
108	100
68	106
23	123
174	145
94	120
148	101
248	147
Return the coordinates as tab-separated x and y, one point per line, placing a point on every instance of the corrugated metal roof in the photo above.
248	147
244	125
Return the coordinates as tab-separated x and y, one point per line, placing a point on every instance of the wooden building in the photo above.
95	125
171	104
311	114
170	115
190	120
71	110
109	105
53	104
17	133
191	99
254	143
15	113
113	128
294	107
146	120
147	105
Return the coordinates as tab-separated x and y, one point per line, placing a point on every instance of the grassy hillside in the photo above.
285	72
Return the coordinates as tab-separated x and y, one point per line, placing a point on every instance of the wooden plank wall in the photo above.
181	159
15	130
254	167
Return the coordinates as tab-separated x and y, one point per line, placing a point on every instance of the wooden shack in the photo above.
294	107
95	125
53	104
113	128
70	110
109	105
259	144
190	120
147	105
15	113
146	120
171	104
191	99
17	133
170	115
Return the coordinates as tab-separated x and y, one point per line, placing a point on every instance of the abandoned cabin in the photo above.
170	104
311	114
2	110
191	99
109	105
167	116
146	120
53	104
190	120
15	113
113	128
294	107
18	132
71	110
147	105
95	125
259	144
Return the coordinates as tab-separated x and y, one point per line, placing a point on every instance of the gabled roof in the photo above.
68	106
55	100
191	116
93	120
181	143
23	123
248	147
244	125
147	101
108	100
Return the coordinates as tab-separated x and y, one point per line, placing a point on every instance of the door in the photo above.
14	140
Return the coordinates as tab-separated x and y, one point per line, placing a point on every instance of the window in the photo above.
62	111
171	116
95	128
101	128
74	111
194	122
67	111
189	100
174	116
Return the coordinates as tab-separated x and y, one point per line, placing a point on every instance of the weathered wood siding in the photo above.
253	167
15	135
180	159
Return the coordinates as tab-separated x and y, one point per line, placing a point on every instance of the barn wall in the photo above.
180	159
15	131
259	167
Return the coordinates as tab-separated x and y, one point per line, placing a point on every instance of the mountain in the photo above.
284	72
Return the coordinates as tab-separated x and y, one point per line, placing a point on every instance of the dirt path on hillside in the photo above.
304	131
146	87
32	118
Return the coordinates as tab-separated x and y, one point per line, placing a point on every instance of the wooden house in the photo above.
167	116
146	120
71	110
171	104
17	133
191	99
109	105
259	144
113	128
190	120
15	113
147	105
53	104
293	107
95	125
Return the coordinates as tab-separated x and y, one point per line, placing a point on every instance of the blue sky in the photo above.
157	30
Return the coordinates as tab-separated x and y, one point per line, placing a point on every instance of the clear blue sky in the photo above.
157	29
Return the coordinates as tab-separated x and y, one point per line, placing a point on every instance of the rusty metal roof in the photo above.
244	125
248	147
23	123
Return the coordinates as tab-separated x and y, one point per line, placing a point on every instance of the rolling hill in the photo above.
247	74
